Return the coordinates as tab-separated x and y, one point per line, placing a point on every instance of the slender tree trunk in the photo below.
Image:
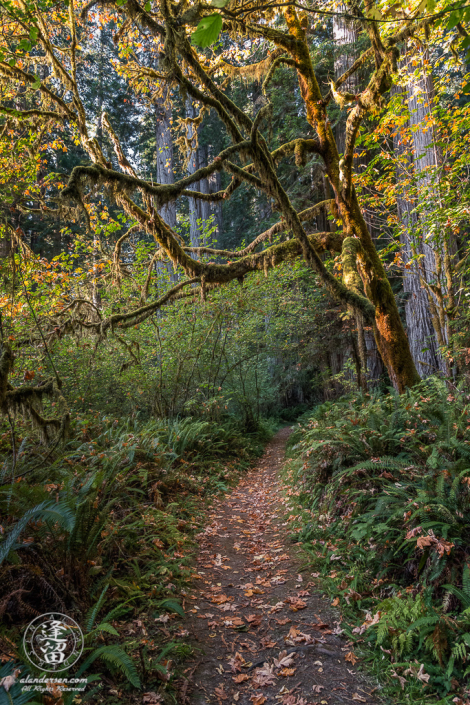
215	184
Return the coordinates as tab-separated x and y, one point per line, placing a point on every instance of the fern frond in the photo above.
116	657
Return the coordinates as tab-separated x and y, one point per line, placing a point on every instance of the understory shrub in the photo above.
384	481
103	531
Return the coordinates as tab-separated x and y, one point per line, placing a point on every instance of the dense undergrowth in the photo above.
383	484
104	532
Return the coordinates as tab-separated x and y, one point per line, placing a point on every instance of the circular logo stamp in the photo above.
53	642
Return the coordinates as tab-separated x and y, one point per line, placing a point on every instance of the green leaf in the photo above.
220	3
33	35
454	19
172	606
431	6
374	14
147	7
37	83
207	30
25	44
12	62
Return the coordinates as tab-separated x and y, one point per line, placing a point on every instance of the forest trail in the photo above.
261	633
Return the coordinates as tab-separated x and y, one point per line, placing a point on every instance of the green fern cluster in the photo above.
386	480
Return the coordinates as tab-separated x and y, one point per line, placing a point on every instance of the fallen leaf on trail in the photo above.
234	622
335	602
258	699
264	676
318	688
220	693
320	625
351	657
240	678
359	698
254	619
285	660
236	662
219	599
295	604
284	620
267	643
297	637
287	671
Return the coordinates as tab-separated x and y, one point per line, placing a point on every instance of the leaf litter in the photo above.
263	626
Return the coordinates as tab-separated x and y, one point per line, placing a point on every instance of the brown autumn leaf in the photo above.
219	599
287	671
285	660
318	688
220	693
284	620
254	620
424	541
234	622
359	698
335	602
236	662
258	699
351	657
295	603
267	643
240	678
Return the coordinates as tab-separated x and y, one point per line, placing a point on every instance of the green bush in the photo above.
386	483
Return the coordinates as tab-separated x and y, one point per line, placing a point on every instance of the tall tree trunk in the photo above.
428	157
420	330
199	211
421	307
345	36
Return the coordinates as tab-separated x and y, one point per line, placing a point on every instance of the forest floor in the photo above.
261	631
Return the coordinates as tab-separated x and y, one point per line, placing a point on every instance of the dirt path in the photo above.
261	634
